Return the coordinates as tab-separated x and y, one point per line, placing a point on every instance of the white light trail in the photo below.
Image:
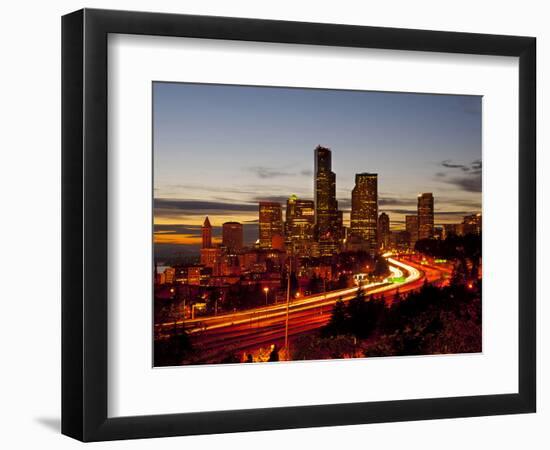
315	301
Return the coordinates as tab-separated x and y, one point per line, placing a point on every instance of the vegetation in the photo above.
453	247
359	318
173	350
431	321
317	347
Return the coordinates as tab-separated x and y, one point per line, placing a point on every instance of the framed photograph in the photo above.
273	224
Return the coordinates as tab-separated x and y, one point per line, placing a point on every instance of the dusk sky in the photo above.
220	149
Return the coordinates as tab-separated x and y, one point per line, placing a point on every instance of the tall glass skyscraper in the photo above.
299	226
384	231
364	211
327	219
270	224
426	216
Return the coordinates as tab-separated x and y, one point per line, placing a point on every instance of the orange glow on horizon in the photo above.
181	239
215	219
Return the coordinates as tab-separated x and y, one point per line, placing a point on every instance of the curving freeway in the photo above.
248	330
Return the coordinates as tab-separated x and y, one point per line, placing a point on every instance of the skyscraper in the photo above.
206	234
384	231
452	229
270	223
411	226
232	236
472	224
210	256
364	211
327	225
299	226
426	216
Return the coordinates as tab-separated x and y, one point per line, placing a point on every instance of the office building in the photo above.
452	229
472	224
270	223
426	216
384	231
411	226
364	211
232	236
299	226
400	240
327	219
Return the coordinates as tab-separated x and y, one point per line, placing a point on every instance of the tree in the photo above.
364	316
430	321
173	350
274	355
396	296
381	267
338	323
309	347
452	247
356	312
460	272
374	314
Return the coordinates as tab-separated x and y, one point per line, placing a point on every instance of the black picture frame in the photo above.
84	224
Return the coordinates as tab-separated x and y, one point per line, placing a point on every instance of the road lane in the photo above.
279	310
248	330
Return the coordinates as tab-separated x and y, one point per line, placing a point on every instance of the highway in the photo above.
248	330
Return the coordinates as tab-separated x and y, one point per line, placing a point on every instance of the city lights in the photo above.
275	249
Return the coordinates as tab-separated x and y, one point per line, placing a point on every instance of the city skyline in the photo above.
305	224
189	186
314	228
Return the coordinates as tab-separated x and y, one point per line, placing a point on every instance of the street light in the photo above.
287	305
266	290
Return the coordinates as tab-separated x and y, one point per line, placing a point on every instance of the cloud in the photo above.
175	228
271	198
191	206
452	213
399	205
469	181
400	211
469	184
267	172
207	188
396	201
473	205
449	165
